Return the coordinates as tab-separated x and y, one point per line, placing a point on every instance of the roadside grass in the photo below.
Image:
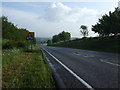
105	44
25	70
10	55
0	62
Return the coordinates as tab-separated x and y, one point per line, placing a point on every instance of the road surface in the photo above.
83	68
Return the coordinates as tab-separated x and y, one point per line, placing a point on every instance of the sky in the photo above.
49	18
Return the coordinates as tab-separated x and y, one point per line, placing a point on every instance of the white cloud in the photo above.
57	12
22	18
0	9
119	4
29	21
57	17
19	16
60	0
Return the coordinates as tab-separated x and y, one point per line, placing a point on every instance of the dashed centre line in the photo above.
74	74
83	55
109	62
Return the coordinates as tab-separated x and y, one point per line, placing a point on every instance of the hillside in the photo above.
12	36
39	40
23	64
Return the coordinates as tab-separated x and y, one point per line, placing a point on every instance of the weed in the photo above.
26	70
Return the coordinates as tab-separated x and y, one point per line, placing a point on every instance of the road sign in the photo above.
30	36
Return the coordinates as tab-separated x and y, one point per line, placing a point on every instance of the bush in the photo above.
20	45
7	45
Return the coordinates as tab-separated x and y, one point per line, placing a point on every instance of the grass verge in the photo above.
25	70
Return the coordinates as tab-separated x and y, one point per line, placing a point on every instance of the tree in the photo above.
55	39
108	24
14	36
49	42
63	36
67	36
84	30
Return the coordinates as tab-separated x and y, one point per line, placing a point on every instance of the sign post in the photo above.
30	36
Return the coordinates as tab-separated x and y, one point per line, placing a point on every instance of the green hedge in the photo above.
107	44
9	44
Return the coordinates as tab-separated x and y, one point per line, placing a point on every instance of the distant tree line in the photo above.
108	24
63	36
49	42
12	36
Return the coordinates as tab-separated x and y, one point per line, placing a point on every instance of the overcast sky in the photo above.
49	18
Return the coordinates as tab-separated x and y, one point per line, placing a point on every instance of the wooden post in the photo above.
31	44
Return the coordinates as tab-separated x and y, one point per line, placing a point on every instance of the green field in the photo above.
25	69
106	44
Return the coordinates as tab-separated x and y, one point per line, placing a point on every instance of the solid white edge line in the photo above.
59	80
74	74
109	62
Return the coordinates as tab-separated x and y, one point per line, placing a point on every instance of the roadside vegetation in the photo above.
25	70
106	44
22	66
63	36
108	28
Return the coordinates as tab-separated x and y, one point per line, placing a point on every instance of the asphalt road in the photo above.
77	68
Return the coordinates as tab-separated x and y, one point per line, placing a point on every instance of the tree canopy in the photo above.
84	30
15	37
49	42
12	32
63	36
108	24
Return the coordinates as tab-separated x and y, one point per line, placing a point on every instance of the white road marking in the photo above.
76	53
74	74
83	55
109	62
54	71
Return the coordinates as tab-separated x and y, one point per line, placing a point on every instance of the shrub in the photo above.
20	45
7	45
